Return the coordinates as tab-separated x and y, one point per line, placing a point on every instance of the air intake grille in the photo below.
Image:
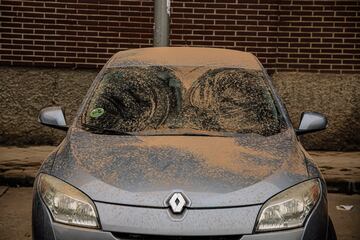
130	236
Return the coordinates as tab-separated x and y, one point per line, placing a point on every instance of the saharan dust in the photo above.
137	99
220	164
182	56
151	121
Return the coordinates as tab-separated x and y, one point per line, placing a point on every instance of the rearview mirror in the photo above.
311	122
53	117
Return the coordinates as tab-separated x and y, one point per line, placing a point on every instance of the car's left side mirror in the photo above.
53	117
311	122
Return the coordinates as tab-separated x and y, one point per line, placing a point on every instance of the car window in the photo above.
142	99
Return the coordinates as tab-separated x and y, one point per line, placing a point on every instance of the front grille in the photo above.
131	236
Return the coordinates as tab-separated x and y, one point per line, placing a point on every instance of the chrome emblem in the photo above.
177	203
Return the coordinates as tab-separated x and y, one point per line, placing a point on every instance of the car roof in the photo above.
184	56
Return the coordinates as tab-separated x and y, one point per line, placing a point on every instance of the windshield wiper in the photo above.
107	131
196	134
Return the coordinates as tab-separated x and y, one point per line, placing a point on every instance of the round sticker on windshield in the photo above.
97	112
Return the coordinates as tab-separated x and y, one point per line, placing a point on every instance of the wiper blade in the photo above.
114	132
107	131
196	134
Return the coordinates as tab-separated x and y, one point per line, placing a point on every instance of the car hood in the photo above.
209	171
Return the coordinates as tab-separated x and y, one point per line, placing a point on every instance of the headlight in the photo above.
67	204
289	209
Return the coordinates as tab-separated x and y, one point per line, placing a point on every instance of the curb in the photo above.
343	186
17	181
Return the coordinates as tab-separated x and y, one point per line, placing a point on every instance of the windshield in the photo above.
160	100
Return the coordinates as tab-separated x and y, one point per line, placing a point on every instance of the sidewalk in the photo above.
341	170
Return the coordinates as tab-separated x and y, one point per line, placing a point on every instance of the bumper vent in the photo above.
131	236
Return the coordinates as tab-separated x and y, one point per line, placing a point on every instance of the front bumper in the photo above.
64	232
151	223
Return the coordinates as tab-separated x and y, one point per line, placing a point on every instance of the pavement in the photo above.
346	223
15	214
341	170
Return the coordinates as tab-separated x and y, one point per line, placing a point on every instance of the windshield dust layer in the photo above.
158	100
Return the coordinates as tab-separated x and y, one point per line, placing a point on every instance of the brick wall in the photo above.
286	35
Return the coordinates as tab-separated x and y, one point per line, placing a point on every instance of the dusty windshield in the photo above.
162	100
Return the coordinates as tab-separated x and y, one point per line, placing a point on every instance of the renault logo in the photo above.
177	203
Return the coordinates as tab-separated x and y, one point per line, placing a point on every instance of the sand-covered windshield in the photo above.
167	100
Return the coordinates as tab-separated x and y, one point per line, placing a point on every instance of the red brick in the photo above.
304	35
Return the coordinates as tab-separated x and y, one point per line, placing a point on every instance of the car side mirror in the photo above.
53	117
311	122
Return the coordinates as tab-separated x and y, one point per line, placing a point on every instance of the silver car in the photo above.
181	143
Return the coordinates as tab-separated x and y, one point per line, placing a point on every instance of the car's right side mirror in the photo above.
311	122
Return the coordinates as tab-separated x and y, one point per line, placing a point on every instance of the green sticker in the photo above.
97	112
